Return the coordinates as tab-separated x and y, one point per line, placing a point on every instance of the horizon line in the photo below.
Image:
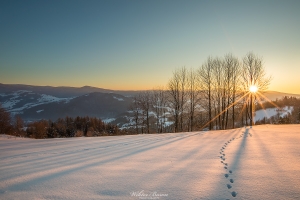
109	89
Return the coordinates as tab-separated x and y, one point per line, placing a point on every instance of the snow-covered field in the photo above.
262	163
270	112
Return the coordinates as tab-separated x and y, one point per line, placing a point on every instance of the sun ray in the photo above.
225	110
262	106
270	101
244	107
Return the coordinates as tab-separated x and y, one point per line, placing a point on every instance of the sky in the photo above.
135	45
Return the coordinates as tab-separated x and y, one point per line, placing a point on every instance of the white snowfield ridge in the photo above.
16	98
270	112
262	162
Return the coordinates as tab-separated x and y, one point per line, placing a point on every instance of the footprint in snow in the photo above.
226	175
230	171
229	186
234	193
225	167
231	181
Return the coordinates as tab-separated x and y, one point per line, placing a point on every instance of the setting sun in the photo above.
253	88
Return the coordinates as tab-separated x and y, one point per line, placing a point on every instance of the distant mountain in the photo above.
67	92
61	92
100	105
35	106
273	95
46	102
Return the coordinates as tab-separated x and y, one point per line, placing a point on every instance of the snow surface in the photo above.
108	120
119	99
16	98
262	162
10	104
269	112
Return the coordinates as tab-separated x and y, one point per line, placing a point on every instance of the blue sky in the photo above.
138	44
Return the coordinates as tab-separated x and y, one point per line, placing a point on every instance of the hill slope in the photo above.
258	163
46	102
34	106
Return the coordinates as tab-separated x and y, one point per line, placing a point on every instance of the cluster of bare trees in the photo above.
63	127
214	96
149	111
71	127
10	126
220	84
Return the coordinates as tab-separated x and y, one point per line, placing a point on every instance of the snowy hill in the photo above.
46	102
270	112
258	163
60	92
34	106
273	95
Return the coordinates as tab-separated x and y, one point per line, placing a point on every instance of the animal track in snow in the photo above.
234	193
222	157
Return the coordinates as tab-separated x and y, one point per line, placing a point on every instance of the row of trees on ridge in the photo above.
214	96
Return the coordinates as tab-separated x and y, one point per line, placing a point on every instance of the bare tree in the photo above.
205	75
235	81
217	90
159	103
232	72
177	91
254	74
144	99
135	108
5	121
183	94
193	95
18	125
